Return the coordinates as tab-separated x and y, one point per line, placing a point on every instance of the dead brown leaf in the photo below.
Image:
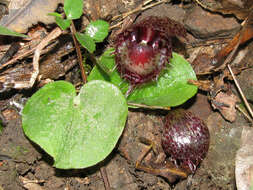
22	14
226	103
240	8
205	85
31	184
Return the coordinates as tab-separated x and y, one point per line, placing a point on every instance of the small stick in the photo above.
36	57
205	7
146	106
116	25
244	113
17	58
105	178
154	171
142	7
78	51
144	153
139	8
10	52
241	92
52	35
24	54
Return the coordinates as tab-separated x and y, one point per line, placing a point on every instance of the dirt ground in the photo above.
24	165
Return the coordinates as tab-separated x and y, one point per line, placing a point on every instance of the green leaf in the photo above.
108	60
62	23
73	9
171	89
86	41
97	30
7	32
107	56
77	131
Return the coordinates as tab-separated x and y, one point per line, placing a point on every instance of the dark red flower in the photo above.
185	139
143	49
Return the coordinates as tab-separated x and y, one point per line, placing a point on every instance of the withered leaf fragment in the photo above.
241	37
22	14
240	8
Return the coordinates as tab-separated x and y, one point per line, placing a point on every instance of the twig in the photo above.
141	7
205	7
52	35
27	52
116	25
78	51
143	154
241	92
17	58
244	113
146	106
15	46
105	178
166	170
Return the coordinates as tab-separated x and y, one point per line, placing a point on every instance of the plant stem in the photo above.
241	92
78	51
244	113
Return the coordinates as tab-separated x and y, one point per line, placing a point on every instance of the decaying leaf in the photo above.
205	85
241	37
202	64
240	8
31	184
225	103
22	14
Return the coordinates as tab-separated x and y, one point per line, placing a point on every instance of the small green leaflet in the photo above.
73	9
62	23
97	30
7	32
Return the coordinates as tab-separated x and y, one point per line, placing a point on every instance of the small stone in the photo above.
205	24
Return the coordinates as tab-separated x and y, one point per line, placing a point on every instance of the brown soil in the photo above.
24	165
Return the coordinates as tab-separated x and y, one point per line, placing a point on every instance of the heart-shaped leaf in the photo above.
77	131
171	89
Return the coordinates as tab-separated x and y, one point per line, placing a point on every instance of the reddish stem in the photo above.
78	51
